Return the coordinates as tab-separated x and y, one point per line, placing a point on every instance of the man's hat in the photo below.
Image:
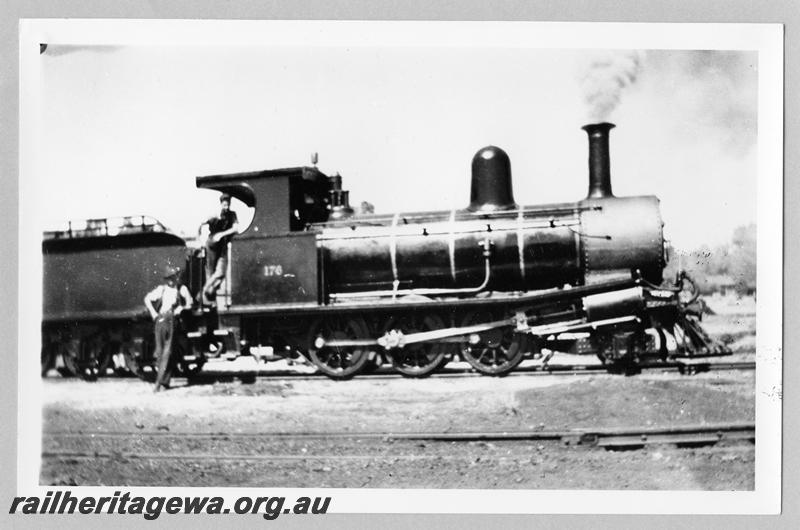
170	272
225	197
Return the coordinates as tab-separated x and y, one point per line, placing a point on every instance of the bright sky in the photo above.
124	130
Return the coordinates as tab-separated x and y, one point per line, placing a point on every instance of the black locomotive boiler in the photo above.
492	283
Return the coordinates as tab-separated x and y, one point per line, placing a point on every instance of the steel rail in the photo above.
390	457
82	455
625	437
538	370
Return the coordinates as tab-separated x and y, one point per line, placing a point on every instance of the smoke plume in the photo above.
606	77
716	90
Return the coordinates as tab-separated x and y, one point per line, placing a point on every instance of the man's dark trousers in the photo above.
165	332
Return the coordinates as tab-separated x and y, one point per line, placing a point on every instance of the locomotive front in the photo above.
494	244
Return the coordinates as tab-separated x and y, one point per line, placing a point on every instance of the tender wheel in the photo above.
422	359
80	359
138	354
48	358
70	357
497	351
104	353
115	358
339	362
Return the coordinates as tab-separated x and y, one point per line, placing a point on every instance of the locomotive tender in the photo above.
493	283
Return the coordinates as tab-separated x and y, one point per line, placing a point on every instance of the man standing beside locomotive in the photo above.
221	230
171	298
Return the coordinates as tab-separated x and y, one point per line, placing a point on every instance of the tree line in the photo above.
724	268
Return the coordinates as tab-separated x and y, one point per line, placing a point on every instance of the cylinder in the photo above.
491	181
599	160
613	304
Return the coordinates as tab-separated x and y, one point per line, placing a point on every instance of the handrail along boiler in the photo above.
493	283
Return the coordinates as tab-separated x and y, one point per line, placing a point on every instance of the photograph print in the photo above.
409	256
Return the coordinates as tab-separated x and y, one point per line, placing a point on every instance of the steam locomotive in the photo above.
492	284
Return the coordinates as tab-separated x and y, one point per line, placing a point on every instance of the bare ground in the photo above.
399	405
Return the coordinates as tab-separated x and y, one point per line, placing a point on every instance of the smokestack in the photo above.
599	160
491	181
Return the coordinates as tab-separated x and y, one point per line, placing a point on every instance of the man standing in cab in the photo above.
165	304
221	230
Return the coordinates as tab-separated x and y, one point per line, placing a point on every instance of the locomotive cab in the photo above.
274	261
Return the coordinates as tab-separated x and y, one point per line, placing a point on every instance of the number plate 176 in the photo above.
273	270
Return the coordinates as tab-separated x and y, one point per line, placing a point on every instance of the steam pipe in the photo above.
599	160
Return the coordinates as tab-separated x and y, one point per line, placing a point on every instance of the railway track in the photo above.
686	368
609	439
565	369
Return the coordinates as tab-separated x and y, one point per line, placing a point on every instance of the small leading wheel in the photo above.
493	352
339	362
603	347
420	359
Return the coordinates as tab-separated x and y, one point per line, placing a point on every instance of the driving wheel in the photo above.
420	359
493	352
339	362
